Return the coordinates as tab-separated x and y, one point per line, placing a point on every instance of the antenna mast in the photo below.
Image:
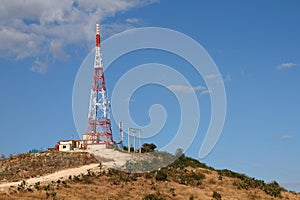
99	124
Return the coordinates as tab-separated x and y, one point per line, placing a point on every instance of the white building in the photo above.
70	145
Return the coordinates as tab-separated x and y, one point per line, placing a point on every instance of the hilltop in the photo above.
186	178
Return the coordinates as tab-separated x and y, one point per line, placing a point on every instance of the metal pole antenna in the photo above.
128	140
140	151
134	140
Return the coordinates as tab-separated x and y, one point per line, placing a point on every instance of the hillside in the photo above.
186	178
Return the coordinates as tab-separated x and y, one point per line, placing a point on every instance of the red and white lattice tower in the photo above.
99	124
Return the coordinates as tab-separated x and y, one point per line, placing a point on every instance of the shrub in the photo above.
161	175
198	176
53	194
87	179
22	185
212	181
76	178
184	161
184	180
172	191
152	197
216	195
149	197
191	197
148	147
240	185
148	175
231	174
273	189
46	187
114	181
37	185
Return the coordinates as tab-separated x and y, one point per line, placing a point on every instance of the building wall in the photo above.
64	147
85	136
75	145
95	147
70	145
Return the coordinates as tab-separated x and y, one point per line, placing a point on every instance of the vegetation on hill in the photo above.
245	182
181	162
185	178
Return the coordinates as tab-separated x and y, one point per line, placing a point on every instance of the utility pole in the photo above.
128	133
134	140
140	135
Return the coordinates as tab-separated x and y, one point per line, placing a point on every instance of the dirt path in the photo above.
63	174
119	158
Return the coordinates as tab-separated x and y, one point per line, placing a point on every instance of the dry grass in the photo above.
181	183
120	185
24	166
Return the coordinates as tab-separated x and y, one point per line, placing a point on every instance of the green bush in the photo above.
231	174
161	175
152	197
273	189
46	187
172	191
22	185
148	147
191	197
184	161
198	176
53	194
37	185
149	197
216	195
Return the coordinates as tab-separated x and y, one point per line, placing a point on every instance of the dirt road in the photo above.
63	174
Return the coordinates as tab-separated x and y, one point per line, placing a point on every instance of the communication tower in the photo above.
99	125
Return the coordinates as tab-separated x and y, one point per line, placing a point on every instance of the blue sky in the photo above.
255	45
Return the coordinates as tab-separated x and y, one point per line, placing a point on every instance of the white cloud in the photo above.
286	65
219	77
39	67
286	137
211	76
204	92
227	78
185	89
36	28
133	20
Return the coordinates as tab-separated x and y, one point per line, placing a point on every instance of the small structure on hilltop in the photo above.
69	145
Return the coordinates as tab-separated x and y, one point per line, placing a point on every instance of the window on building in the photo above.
64	146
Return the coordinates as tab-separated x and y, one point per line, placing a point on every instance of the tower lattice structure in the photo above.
99	124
